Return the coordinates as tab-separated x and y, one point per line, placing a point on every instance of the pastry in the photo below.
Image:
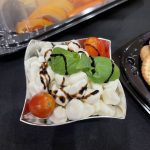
146	69
145	51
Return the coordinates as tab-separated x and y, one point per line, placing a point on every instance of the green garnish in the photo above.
103	68
84	63
63	61
116	73
98	69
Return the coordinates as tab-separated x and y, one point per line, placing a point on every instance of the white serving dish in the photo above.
32	120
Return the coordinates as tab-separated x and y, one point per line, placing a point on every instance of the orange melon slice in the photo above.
55	12
31	25
78	10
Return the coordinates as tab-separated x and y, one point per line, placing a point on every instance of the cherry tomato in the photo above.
95	47
26	108
42	105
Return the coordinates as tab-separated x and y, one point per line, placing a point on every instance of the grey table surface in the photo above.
120	25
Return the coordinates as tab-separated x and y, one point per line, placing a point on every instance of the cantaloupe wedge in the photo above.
55	12
29	25
78	10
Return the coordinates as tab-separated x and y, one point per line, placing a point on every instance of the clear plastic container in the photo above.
22	20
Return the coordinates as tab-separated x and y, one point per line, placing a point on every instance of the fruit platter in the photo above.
41	19
71	81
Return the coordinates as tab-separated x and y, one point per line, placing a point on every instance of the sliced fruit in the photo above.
84	6
31	25
53	11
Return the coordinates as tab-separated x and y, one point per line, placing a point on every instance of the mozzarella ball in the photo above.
75	109
41	59
111	85
110	97
97	107
91	98
59	115
88	110
118	113
62	46
96	86
34	84
76	77
76	87
61	98
74	46
61	79
106	110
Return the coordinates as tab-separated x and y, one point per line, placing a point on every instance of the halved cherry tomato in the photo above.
42	105
26	108
95	47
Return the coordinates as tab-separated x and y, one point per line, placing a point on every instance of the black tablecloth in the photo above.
120	25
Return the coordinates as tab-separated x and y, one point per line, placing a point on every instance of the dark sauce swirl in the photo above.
83	89
92	93
76	44
44	76
93	65
45	54
63	81
112	71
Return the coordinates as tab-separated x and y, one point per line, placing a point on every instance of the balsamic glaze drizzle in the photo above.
76	44
93	65
62	99
112	71
63	81
47	52
83	89
65	61
44	75
67	94
92	93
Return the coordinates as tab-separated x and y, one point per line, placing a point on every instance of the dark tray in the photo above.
128	59
11	42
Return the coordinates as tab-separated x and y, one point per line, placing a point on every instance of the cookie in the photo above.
146	69
145	51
